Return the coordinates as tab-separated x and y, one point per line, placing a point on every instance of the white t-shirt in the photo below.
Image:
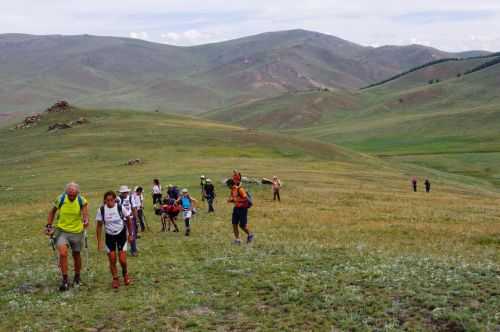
129	203
138	199
156	189
113	223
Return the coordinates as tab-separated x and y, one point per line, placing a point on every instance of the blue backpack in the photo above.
186	202
63	198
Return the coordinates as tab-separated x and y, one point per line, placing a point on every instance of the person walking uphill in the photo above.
72	219
414	184
203	183
113	216
210	195
130	205
427	185
276	188
188	205
156	192
242	202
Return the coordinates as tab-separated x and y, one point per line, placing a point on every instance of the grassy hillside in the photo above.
405	117
108	72
349	248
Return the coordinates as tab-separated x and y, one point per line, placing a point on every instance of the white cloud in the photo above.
188	37
139	35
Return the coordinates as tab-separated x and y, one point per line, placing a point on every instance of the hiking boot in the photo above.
126	280
250	238
134	254
76	281
115	283
64	286
188	231
237	242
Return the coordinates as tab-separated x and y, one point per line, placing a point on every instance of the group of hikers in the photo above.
414	184
121	216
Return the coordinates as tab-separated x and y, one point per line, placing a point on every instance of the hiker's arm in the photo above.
50	220
85	215
129	228
134	213
98	231
52	215
194	202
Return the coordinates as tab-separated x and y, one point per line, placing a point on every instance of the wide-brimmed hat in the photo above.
124	189
209	181
185	191
202	177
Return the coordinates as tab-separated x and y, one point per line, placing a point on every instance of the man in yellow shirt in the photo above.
72	218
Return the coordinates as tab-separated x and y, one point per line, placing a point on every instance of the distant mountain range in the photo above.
111	72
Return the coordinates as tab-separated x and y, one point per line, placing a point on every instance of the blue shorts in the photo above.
240	216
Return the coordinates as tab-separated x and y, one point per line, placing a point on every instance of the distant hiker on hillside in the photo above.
72	219
209	191
156	191
236	176
170	210
188	205
427	185
130	205
138	196
203	182
414	184
118	230
276	188
242	202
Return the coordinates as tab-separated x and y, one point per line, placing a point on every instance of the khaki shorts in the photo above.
74	240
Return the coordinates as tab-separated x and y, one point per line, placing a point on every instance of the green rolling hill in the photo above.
402	118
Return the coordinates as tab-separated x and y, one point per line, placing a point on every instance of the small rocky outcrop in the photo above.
133	162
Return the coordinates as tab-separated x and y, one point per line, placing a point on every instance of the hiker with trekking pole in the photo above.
242	201
70	213
209	191
130	205
118	231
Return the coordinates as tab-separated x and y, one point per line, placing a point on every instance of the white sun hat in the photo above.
124	189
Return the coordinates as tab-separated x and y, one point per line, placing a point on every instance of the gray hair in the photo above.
73	185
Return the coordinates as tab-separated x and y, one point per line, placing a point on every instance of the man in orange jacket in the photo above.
240	199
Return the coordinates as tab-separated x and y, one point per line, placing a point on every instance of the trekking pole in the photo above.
145	221
85	238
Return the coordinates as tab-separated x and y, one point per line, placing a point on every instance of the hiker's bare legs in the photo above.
77	259
236	232
63	259
112	264
246	230
123	261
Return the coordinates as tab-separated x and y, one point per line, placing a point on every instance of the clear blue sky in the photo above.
451	25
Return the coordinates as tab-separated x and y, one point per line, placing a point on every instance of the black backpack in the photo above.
120	212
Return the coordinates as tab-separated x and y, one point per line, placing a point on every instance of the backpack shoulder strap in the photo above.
61	200
120	210
80	201
102	213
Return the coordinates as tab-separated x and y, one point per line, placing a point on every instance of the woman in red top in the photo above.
239	198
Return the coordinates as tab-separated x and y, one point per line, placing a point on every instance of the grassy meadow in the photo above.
350	248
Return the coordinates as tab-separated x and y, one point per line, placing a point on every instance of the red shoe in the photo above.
127	280
116	283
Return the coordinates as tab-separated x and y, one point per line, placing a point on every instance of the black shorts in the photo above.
117	242
240	216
